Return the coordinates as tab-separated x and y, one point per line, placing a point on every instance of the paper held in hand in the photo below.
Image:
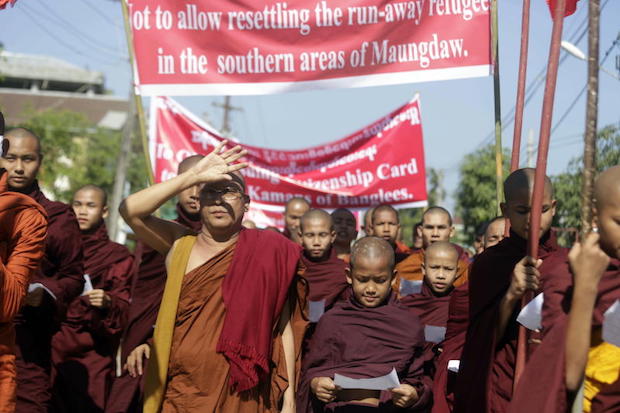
531	315
389	381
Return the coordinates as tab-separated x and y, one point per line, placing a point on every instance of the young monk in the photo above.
146	292
574	349
54	287
499	278
436	226
444	382
293	211
23	227
325	272
364	337
229	329
367	222
386	225
431	304
84	350
345	225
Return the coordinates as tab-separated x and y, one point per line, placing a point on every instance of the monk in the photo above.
499	278
51	289
494	232
574	348
367	222
325	272
229	331
146	292
386	225
417	237
436	226
293	211
23	227
345	225
364	337
84	350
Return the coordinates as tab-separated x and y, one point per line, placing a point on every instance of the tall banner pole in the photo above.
136	97
541	166
589	152
499	169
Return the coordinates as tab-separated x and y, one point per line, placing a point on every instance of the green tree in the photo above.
567	185
475	196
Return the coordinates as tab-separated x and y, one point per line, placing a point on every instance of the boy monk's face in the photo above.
317	237
439	269
517	210
385	225
89	208
371	280
435	227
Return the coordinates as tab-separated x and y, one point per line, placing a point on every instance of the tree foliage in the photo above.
476	193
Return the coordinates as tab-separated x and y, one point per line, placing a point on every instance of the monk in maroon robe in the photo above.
57	283
345	226
499	278
293	211
575	348
365	337
239	286
84	350
431	304
386	225
146	292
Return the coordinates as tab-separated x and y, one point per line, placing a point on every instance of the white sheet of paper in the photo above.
389	381
408	287
531	315
34	286
454	365
316	310
434	334
88	284
611	324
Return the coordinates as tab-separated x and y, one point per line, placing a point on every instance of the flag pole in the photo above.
589	151
541	166
499	169
136	97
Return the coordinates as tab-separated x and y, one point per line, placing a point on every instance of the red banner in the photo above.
246	47
381	163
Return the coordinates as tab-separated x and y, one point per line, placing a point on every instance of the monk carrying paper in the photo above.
228	333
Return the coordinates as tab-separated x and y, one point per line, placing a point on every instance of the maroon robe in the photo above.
485	378
84	350
362	342
146	292
456	329
433	311
543	384
326	279
62	273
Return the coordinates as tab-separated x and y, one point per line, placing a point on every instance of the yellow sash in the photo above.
603	369
157	370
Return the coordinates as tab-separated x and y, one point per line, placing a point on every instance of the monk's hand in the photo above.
35	298
525	276
404	396
324	389
135	360
216	166
588	262
98	298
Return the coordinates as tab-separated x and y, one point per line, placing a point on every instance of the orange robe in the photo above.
23	227
411	269
197	375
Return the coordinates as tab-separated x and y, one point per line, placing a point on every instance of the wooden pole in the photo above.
589	151
541	166
137	97
525	36
499	167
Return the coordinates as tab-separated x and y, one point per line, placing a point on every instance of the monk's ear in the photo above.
423	268
104	211
452	231
418	230
333	236
347	273
554	204
394	277
504	208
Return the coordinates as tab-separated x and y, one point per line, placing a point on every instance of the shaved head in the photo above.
607	202
317	215
442	247
90	187
372	249
23	133
521	180
385	207
297	202
494	232
188	163
343	211
437	210
607	187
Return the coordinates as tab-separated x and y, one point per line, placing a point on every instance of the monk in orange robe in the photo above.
229	331
436	226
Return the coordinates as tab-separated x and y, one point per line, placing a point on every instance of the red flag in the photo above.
3	3
571	6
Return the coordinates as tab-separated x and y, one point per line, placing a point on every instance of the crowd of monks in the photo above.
210	314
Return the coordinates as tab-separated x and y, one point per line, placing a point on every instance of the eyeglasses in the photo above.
227	194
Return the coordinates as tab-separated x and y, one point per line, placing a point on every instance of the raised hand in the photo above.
525	276
588	261
216	166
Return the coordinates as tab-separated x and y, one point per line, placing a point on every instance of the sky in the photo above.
457	115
